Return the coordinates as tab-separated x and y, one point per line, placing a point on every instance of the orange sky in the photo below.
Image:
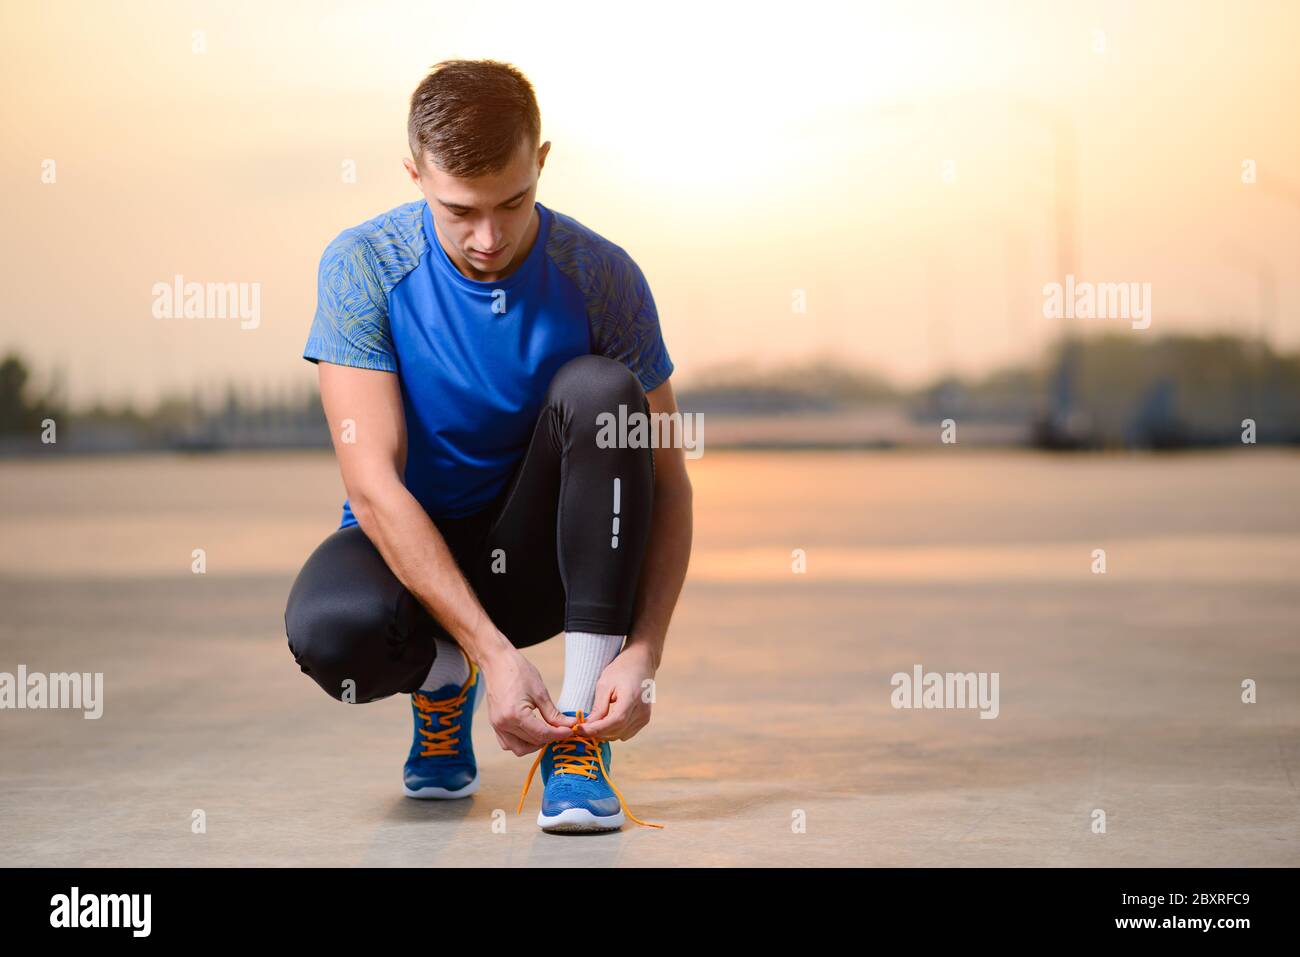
738	153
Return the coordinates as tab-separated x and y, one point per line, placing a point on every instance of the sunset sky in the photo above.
738	153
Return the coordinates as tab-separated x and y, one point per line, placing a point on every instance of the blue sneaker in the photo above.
578	795
441	764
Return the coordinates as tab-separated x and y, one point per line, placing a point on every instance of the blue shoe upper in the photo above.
572	778
442	751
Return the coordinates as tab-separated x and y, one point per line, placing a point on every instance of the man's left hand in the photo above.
622	705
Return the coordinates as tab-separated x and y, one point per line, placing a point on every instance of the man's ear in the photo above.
411	170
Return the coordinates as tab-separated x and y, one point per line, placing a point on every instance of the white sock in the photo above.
450	667
585	657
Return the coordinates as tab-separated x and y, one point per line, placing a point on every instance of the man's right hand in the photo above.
519	706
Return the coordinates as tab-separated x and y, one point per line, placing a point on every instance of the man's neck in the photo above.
467	268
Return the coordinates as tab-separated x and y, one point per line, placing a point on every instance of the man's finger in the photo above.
605	726
633	726
600	706
513	744
533	729
553	715
524	748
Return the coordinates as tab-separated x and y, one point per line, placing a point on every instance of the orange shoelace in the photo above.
444	740
567	761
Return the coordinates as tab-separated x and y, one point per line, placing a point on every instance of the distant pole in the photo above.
938	279
1266	284
1067	185
1269	183
1265	277
1065	149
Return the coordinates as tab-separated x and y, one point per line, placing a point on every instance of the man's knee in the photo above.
596	383
334	630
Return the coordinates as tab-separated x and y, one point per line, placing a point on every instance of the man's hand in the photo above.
519	706
620	709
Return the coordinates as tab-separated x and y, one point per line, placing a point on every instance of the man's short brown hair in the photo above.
470	115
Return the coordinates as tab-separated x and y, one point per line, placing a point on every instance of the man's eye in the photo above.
515	205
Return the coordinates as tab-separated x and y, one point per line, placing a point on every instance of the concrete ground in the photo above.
1118	692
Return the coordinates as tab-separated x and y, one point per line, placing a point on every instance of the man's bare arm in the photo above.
372	464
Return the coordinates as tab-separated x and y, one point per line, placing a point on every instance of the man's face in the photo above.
484	223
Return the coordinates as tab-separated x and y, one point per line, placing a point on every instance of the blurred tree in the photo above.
13	403
20	413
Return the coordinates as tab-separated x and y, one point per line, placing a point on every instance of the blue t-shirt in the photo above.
474	359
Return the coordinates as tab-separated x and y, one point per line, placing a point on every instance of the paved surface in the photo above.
1118	692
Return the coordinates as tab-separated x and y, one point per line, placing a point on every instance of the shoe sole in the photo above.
576	820
441	794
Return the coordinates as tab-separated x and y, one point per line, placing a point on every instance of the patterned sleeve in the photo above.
633	335
351	323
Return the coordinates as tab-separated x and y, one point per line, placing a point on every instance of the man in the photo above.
469	347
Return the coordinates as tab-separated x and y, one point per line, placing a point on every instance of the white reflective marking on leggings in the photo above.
613	542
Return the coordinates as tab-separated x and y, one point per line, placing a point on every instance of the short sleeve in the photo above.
635	337
351	323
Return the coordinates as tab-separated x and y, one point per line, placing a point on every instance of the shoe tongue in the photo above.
441	694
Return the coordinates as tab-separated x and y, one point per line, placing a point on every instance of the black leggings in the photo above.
554	552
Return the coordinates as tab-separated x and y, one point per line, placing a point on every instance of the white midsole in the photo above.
580	819
442	793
